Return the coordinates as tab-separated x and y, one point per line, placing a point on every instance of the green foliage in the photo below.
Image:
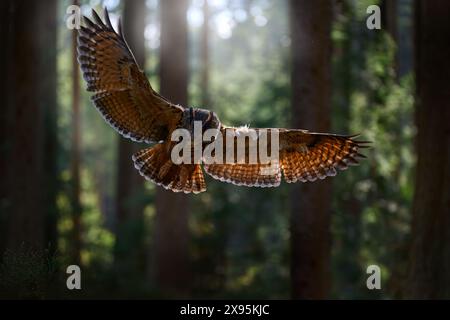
372	202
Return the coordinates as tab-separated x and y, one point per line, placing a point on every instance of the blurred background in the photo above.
69	193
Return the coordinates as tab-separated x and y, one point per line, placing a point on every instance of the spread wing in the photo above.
307	156
123	94
303	156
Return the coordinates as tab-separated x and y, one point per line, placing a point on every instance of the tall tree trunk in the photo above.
311	90
172	234
75	156
204	55
28	90
43	57
405	37
129	251
6	116
389	14
389	9
25	133
47	35
430	251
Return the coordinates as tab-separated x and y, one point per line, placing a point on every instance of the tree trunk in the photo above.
129	250
204	56
15	125
172	234
47	82
6	116
23	175
405	37
389	17
311	90
430	251
75	156
389	14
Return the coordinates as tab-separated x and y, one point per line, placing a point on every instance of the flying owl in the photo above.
126	100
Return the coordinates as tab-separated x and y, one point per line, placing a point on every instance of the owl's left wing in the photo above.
123	94
303	156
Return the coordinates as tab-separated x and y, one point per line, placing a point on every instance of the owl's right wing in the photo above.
308	156
123	94
303	156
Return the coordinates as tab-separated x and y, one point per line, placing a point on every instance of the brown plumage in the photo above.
303	156
126	100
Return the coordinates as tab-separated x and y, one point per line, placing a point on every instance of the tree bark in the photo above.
311	90
405	37
129	249
172	234
389	14
28	122
389	9
47	86
430	251
6	116
204	55
76	155
26	216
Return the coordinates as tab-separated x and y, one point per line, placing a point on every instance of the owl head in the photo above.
208	119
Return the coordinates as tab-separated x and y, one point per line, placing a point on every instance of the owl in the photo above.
126	100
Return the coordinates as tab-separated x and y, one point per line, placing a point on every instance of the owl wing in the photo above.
307	156
123	94
303	156
251	174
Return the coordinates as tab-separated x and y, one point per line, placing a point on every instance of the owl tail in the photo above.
155	165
